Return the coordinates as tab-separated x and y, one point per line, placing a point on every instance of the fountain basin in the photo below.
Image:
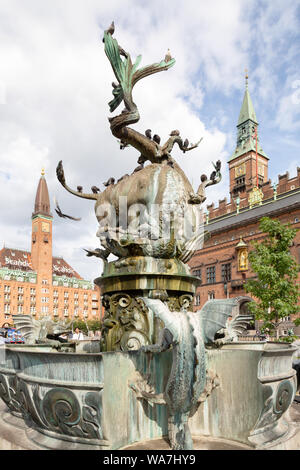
88	400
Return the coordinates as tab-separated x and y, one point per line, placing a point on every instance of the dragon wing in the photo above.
29	328
214	316
238	326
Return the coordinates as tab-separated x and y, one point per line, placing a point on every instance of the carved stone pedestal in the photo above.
127	323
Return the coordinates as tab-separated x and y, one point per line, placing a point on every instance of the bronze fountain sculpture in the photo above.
150	284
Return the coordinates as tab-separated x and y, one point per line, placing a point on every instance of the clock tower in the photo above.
248	166
41	239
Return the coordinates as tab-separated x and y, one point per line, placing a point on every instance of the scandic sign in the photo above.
62	269
18	262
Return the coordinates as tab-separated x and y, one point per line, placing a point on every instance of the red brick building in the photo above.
222	263
34	282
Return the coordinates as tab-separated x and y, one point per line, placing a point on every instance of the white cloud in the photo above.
288	114
274	40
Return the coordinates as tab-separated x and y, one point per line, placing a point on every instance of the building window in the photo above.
6	308
32	291
240	185
45	309
211	295
66	295
6	288
20	308
45	299
20	290
20	298
211	275
226	272
44	281
197	300
288	318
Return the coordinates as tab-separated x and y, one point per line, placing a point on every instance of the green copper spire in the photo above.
246	125
247	109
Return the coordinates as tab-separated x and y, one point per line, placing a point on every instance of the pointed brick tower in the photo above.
41	240
245	170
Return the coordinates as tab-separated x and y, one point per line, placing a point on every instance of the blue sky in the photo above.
55	85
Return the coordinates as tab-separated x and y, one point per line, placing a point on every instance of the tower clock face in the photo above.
240	170
45	227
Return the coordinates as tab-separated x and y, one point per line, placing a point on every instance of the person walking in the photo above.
77	334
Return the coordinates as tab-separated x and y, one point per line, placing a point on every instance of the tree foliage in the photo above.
276	286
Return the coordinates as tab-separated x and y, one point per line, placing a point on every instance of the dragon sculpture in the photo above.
44	331
161	183
189	333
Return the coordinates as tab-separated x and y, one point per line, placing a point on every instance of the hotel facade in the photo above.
37	283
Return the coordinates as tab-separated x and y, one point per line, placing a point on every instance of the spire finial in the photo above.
246	77
43	172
